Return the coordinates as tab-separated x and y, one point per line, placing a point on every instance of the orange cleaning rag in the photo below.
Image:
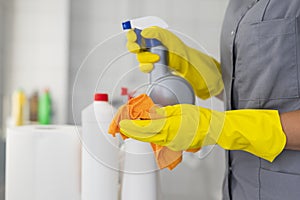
139	108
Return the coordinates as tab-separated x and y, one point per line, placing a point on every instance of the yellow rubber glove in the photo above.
185	126
199	69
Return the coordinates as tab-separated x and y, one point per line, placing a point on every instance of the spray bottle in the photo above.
165	88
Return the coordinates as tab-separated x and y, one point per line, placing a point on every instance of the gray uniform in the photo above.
260	57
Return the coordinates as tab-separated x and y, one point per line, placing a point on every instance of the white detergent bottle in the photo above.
100	151
140	174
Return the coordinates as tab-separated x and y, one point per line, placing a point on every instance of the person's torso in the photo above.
260	58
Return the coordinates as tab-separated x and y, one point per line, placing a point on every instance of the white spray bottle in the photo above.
165	88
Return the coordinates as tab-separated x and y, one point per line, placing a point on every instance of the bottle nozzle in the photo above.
126	25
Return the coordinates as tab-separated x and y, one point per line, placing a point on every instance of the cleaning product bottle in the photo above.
165	88
18	107
44	108
100	152
33	107
140	178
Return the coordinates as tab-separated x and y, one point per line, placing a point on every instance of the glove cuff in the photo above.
255	131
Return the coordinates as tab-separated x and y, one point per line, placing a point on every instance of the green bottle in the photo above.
44	108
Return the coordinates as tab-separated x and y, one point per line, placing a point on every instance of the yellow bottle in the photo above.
18	107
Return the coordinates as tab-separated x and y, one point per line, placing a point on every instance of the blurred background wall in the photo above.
36	49
44	42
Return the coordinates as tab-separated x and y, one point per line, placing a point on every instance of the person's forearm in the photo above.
290	122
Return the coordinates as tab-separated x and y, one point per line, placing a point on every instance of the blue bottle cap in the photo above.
126	25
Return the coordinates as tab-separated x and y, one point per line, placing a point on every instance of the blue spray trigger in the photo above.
146	43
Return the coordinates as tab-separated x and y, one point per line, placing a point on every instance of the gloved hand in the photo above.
199	69
185	126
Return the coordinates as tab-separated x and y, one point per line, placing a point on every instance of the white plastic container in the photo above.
140	178
100	151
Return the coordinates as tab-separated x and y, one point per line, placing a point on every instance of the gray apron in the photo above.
260	58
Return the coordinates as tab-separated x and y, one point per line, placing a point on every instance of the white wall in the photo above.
36	49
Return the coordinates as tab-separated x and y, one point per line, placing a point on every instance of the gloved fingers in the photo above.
174	110
147	57
145	130
146	67
131	36
133	47
146	60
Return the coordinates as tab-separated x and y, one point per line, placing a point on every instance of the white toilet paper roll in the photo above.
140	176
43	163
